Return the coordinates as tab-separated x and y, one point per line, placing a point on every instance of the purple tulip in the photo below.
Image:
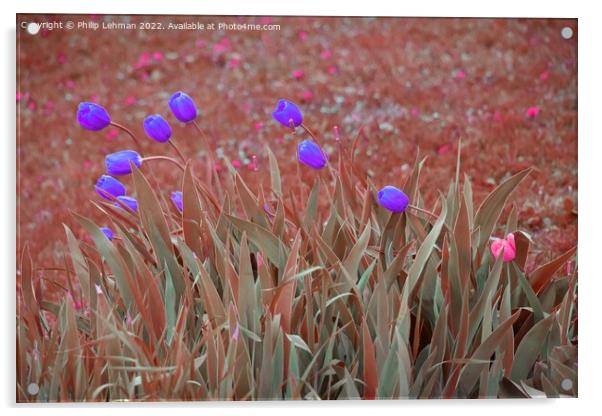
93	116
182	107
119	163
286	112
108	186
393	199
157	128
311	154
107	232
176	198
128	201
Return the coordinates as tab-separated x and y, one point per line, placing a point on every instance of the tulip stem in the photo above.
205	141
424	211
175	147
169	159
128	131
308	131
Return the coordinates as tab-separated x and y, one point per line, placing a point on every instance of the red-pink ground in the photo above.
407	83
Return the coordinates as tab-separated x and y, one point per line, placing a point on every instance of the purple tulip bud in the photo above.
182	107
119	163
107	232
108	185
128	201
286	112
393	199
157	128
311	154
176	198
93	116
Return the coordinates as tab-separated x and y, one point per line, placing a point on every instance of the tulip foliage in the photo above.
305	290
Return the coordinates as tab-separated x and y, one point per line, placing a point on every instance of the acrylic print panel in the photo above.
287	208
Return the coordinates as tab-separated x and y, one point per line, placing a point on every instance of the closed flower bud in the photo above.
119	163
108	186
507	245
393	199
93	116
176	198
286	112
157	128
128	201
107	232
311	154
182	107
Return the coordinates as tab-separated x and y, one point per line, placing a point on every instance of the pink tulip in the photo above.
507	245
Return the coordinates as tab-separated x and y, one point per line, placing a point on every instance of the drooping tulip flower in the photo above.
107	232
176	198
128	201
108	186
286	112
183	107
157	128
119	163
92	116
393	199
311	154
507	245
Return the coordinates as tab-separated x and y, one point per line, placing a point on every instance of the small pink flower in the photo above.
130	100
332	70
325	54
460	74
507	245
234	63
19	96
544	75
303	35
307	95
414	112
532	112
70	84
298	74
111	134
258	125
157	56
236	164
497	116
443	149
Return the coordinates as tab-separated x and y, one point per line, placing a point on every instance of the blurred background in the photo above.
506	87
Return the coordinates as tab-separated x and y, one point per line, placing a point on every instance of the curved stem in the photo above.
169	159
204	138
175	147
308	131
128	131
424	211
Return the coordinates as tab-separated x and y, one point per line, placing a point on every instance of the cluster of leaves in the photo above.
308	291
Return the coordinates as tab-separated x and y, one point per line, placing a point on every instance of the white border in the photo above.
590	142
